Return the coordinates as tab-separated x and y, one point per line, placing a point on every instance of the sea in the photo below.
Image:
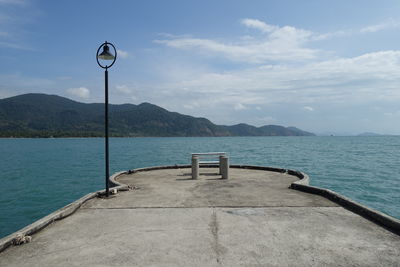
39	176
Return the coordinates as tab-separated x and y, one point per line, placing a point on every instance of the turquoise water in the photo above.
39	176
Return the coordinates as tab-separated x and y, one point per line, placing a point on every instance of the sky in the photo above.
322	66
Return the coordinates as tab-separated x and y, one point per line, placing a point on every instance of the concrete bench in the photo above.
211	158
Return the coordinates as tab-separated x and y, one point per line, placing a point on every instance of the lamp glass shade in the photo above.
106	55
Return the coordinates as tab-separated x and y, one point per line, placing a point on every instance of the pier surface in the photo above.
168	219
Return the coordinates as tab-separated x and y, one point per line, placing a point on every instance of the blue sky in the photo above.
322	66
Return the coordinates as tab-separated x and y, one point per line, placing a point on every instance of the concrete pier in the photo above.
170	219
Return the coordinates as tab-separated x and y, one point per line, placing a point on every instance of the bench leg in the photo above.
224	167
195	167
220	164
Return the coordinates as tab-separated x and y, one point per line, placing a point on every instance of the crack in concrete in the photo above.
214	231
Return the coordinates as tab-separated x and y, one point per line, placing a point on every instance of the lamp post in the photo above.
106	55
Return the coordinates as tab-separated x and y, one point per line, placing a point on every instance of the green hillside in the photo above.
40	115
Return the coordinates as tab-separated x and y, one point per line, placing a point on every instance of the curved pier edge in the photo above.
382	219
390	223
47	220
59	214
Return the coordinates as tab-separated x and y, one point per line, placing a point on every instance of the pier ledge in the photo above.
161	216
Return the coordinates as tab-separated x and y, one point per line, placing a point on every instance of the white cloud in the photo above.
327	85
329	35
390	114
258	24
275	44
257	52
192	105
240	106
122	53
130	94
388	24
81	92
123	89
278	44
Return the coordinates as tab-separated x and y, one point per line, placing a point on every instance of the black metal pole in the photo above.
106	132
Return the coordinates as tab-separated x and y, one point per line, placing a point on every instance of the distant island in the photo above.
41	115
369	134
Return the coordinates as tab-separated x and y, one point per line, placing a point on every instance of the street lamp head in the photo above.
106	55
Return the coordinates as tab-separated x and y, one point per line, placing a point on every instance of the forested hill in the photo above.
41	115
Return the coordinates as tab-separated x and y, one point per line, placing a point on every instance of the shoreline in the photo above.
247	136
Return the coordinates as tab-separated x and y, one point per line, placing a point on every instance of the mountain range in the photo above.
41	115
